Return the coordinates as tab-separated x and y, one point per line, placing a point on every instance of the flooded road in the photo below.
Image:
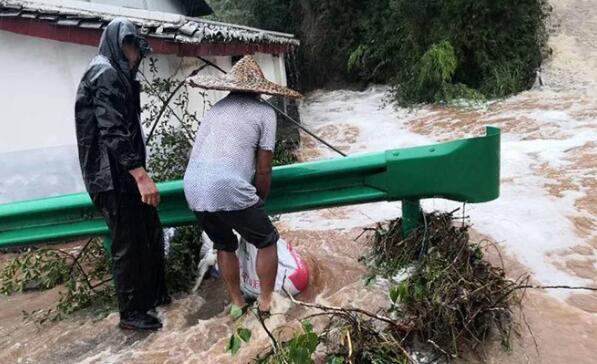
545	224
196	327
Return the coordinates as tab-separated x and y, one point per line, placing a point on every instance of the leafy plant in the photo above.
333	359
166	112
36	269
496	47
239	336
85	276
284	153
433	78
183	258
452	295
299	350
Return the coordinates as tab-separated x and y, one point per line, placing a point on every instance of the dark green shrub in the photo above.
182	259
441	50
496	46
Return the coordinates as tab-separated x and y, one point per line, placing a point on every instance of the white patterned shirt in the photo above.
221	169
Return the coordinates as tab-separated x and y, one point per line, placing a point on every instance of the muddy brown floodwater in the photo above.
196	327
548	330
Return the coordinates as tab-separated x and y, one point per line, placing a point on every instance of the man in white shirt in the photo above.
228	177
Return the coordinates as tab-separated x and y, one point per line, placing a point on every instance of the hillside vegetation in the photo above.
428	50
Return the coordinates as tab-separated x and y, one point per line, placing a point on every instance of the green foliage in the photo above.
429	50
244	334
236	312
239	336
167	111
383	356
85	276
302	347
182	258
234	344
37	269
432	76
277	15
231	11
299	350
408	291
437	65
504	79
492	47
335	360
283	154
451	294
320	25
78	295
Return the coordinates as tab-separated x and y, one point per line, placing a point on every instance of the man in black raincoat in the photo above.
112	158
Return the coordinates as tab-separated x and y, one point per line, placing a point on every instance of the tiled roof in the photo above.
171	27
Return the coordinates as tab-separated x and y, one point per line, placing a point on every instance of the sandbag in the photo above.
293	273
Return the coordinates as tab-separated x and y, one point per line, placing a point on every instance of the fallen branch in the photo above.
557	287
267	331
437	347
405	328
75	262
188	134
76	258
101	283
166	102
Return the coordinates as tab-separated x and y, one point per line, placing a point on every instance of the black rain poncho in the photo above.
107	115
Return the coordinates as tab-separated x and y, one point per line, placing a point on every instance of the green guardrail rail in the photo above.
465	170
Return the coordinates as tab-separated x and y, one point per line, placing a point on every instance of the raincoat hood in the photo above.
111	44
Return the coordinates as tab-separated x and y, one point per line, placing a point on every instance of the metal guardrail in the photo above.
465	170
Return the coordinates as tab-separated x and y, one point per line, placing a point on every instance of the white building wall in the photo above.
273	67
38	83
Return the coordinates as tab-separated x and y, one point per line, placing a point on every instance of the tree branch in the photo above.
556	287
405	328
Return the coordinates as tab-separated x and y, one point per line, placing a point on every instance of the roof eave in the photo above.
161	23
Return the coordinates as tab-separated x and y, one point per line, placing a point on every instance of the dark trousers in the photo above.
137	249
252	224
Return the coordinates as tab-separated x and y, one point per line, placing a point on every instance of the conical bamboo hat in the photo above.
246	75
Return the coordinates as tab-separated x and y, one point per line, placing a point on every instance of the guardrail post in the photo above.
412	216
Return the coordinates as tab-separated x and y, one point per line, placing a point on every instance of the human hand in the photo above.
147	188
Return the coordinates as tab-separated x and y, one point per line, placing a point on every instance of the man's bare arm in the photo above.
263	172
